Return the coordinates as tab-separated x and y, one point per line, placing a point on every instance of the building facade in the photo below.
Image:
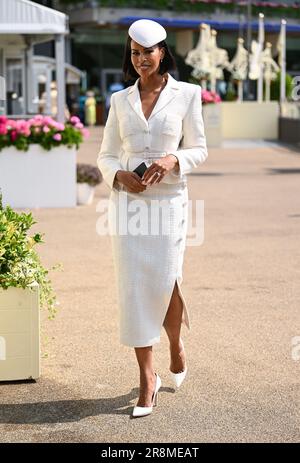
98	30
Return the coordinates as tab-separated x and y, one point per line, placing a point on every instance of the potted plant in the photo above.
88	177
24	289
38	161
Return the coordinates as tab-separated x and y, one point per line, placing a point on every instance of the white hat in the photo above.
147	32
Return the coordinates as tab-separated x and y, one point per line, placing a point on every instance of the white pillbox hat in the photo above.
147	32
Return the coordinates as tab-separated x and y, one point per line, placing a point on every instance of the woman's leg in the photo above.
147	376
172	325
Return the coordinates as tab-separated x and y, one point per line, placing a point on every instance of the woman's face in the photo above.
146	61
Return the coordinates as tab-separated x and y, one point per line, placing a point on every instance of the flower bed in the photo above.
209	97
41	130
25	287
43	174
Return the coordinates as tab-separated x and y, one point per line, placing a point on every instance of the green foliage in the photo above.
20	264
231	94
275	87
70	137
193	80
41	130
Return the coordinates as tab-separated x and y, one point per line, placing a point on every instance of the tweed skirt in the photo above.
148	235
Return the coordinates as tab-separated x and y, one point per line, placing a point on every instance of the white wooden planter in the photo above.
212	118
19	333
85	193
38	178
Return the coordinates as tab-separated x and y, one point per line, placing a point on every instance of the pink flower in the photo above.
23	127
79	125
57	137
48	121
57	125
210	97
13	135
53	124
74	120
39	117
46	129
35	123
3	129
3	120
11	124
60	126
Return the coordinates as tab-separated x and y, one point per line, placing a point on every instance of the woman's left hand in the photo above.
159	168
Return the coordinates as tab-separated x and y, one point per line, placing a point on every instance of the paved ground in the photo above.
242	288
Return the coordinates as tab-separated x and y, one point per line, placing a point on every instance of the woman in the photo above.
90	109
146	122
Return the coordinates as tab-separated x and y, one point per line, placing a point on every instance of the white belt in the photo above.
145	154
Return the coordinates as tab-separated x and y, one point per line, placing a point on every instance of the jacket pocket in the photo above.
126	127
172	125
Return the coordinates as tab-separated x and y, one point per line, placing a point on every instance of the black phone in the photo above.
140	169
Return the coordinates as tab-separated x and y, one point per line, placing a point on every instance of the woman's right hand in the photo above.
131	181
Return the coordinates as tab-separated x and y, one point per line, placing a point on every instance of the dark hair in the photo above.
168	63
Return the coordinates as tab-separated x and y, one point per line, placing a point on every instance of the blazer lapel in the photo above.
134	99
167	94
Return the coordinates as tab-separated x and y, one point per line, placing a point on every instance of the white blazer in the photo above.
128	136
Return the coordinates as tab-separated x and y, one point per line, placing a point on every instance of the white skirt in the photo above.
148	235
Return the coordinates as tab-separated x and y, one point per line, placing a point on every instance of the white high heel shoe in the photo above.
179	377
143	411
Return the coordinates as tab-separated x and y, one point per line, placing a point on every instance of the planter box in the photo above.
19	333
250	120
212	118
289	130
38	178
